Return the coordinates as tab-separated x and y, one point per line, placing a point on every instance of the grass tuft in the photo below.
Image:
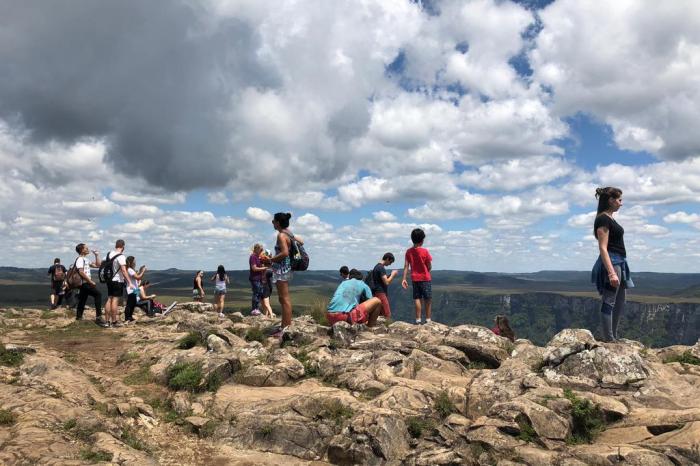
527	432
588	419
7	417
443	405
191	340
318	310
10	358
336	411
684	358
94	456
255	334
129	437
185	376
142	376
417	425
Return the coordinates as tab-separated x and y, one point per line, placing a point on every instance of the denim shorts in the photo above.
422	290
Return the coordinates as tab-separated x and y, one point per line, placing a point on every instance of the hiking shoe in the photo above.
255	312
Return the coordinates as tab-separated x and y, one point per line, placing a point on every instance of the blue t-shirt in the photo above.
347	295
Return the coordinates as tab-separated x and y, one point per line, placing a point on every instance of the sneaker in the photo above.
221	315
116	324
255	312
100	322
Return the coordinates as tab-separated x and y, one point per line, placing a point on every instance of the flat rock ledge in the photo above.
193	388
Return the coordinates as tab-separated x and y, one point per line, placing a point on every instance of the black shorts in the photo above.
267	289
422	290
115	289
57	286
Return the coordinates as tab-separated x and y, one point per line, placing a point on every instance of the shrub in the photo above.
7	418
214	381
95	456
336	411
190	340
10	358
685	358
185	376
588	419
208	429
416	425
477	365
265	431
443	405
127	356
255	334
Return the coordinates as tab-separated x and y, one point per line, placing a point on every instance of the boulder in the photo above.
567	342
544	421
373	438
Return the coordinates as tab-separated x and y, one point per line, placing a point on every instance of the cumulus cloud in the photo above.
631	64
258	214
384	216
217	197
517	174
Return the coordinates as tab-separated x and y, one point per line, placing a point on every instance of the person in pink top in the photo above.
420	261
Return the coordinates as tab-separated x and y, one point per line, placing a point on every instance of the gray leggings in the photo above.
612	307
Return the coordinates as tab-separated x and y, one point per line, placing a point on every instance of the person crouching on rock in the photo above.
611	274
353	303
132	288
502	328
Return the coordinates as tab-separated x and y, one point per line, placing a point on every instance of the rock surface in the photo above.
393	394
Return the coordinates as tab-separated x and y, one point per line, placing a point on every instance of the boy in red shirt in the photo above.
420	261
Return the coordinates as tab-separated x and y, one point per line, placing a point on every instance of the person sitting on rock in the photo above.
353	303
502	328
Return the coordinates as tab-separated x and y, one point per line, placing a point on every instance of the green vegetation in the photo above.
527	432
417	425
255	334
127	356
10	358
336	411
318	310
310	367
129	437
7	418
208	429
443	405
265	431
185	376
191	340
82	430
164	407
685	358
94	456
588	419
214	382
142	376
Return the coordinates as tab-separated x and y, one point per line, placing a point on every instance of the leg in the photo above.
285	302
428	309
82	299
416	303
619	309
95	293
373	307
221	303
386	309
267	307
606	310
129	309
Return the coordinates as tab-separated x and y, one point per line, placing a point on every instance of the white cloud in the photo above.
517	174
384	216
217	197
631	64
164	198
682	217
258	214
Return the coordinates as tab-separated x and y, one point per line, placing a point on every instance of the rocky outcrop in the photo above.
393	394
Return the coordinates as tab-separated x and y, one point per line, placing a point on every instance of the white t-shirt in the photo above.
117	266
130	289
83	263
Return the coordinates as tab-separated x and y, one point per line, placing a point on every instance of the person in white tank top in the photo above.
220	280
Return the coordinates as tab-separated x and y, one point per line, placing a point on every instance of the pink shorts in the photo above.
356	316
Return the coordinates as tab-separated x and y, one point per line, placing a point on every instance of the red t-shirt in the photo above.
418	259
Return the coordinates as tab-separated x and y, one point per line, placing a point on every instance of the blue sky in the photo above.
488	123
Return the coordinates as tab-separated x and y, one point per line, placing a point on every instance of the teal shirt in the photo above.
347	295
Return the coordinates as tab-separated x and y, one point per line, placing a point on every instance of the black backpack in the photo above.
369	279
106	272
298	257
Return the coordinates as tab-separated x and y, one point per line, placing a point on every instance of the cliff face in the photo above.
193	388
539	316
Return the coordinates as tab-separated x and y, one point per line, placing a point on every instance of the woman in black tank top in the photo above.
197	290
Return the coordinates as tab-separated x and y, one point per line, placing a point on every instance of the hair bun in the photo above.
289	215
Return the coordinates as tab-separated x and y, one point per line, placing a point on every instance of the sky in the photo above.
182	126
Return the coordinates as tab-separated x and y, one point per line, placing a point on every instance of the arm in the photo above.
125	274
404	283
387	279
139	275
429	265
605	257
98	261
213	278
227	280
199	285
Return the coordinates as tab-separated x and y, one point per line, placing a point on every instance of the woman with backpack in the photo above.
220	280
282	267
